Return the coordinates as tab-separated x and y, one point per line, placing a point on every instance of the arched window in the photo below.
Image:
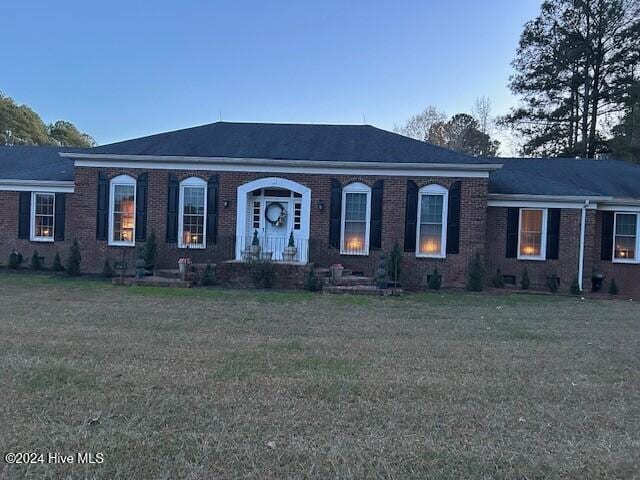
193	213
122	211
356	219
431	232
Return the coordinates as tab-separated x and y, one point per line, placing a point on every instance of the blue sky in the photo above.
121	69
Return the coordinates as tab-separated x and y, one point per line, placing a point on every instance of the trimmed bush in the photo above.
475	277
150	251
613	287
435	280
73	262
264	275
208	276
107	269
394	267
525	283
15	260
312	283
575	286
498	279
57	263
36	264
552	283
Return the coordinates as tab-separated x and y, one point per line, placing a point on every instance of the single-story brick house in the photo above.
345	193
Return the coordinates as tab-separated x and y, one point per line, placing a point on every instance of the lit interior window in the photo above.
531	229
626	236
44	216
355	223
431	209
124	213
193	216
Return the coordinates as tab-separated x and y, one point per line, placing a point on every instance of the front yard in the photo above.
226	384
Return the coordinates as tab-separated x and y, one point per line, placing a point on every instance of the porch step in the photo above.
361	290
152	281
168	273
352	280
326	272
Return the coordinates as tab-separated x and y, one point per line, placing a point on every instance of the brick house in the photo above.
345	193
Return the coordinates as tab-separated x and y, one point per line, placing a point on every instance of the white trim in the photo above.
121	180
636	259
273	182
32	220
620	208
193	182
356	187
543	239
45	186
583	225
228	164
433	189
541	201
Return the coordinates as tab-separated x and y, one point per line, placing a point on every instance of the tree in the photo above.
481	111
418	126
625	142
19	125
462	134
573	68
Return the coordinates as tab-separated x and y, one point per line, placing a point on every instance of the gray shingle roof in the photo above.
566	177
340	143
35	163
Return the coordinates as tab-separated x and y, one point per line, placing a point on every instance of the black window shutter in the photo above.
411	217
606	245
212	209
513	222
553	233
375	231
142	189
172	209
24	215
59	220
102	220
453	218
335	213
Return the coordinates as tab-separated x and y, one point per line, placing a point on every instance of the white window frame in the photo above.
121	180
356	187
32	233
191	182
543	240
428	190
615	224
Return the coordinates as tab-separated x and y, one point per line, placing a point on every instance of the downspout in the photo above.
583	222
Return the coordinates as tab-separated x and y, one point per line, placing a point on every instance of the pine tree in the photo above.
475	277
36	264
57	263
73	262
525	283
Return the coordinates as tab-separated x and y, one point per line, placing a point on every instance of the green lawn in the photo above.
257	384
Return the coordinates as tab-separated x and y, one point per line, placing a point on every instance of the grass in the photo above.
171	383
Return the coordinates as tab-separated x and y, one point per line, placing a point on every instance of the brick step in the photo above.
153	281
167	273
361	290
326	272
350	280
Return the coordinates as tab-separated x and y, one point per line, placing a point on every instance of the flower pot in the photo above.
336	274
289	254
182	267
255	250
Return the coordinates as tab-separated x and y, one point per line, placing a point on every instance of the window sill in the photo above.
625	262
122	244
355	254
424	255
42	239
533	259
192	247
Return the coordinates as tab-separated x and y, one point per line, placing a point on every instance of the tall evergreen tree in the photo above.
575	66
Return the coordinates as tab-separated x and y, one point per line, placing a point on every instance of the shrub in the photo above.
552	283
150	251
107	269
313	282
264	274
208	276
525	283
15	260
73	262
57	263
475	277
575	286
381	272
613	287
292	241
36	263
395	263
434	281
498	279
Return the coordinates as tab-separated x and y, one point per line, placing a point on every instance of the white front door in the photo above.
276	217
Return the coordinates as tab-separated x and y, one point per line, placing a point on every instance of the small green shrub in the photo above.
15	260
435	280
263	273
525	282
575	286
208	276
107	269
292	242
57	263
73	262
613	287
395	263
552	283
36	263
498	279
312	283
475	277
255	241
150	251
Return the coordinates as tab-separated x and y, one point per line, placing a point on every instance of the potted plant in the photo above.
336	272
255	244
290	250
596	280
183	262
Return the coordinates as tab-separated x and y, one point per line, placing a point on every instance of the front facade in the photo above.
341	194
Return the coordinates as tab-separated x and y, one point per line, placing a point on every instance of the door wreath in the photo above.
275	214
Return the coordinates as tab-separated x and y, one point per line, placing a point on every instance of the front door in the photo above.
276	217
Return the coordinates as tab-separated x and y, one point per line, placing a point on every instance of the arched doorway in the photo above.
273	208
